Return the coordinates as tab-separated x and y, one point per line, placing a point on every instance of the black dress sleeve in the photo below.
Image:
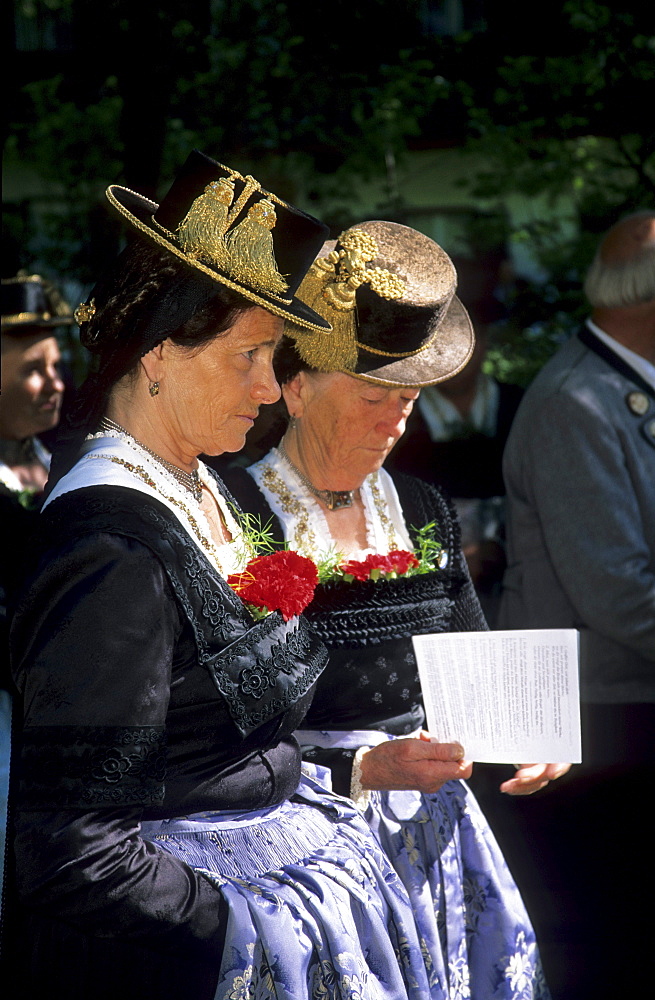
93	647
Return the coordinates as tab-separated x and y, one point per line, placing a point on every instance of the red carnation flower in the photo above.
374	566
282	581
403	560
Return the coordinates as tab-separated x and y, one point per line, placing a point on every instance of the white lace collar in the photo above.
304	522
110	458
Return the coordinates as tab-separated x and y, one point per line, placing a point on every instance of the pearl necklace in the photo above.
333	499
189	480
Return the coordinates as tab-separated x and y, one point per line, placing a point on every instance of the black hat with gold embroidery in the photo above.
229	230
29	301
389	293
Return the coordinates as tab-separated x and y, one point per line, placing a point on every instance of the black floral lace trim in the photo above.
83	766
212	600
258	675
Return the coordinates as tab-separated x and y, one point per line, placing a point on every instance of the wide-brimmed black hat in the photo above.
389	293
28	301
229	229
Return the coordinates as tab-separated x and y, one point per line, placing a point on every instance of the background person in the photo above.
30	404
166	844
31	391
388	292
579	469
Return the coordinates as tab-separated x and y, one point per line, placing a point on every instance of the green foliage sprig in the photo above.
256	538
427	550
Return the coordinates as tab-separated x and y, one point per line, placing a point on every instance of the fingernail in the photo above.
457	750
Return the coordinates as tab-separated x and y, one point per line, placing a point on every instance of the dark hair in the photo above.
287	361
146	297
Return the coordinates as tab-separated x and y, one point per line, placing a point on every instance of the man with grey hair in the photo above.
579	470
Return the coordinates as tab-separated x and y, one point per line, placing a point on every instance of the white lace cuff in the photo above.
360	796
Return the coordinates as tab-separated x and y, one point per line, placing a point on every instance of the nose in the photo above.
53	380
265	389
393	423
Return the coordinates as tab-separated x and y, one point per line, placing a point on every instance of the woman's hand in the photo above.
416	764
530	778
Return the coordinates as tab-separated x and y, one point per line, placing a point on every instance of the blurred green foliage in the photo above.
314	98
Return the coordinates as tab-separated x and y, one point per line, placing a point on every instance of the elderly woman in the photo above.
389	293
166	844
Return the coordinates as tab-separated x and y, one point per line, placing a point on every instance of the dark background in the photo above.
553	101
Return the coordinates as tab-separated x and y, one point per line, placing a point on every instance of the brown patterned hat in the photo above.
229	230
28	300
389	293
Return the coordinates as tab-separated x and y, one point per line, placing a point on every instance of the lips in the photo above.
49	405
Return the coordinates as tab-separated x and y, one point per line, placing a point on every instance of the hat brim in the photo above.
448	351
139	212
35	322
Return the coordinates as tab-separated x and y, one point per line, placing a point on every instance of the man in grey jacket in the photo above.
579	470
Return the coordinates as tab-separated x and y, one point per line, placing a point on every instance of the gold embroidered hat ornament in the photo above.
389	293
28	300
228	230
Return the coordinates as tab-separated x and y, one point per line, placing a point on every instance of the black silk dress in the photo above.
148	692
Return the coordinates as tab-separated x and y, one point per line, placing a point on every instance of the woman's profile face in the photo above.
350	423
209	398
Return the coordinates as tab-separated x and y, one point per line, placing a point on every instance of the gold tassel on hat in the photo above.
326	351
330	288
202	231
251	258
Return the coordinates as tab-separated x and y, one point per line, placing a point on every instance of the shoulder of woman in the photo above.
111	509
81	535
112	518
423	500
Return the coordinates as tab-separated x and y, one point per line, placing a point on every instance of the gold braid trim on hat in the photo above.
330	288
246	252
26	317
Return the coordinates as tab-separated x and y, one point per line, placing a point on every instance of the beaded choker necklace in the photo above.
189	480
333	499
